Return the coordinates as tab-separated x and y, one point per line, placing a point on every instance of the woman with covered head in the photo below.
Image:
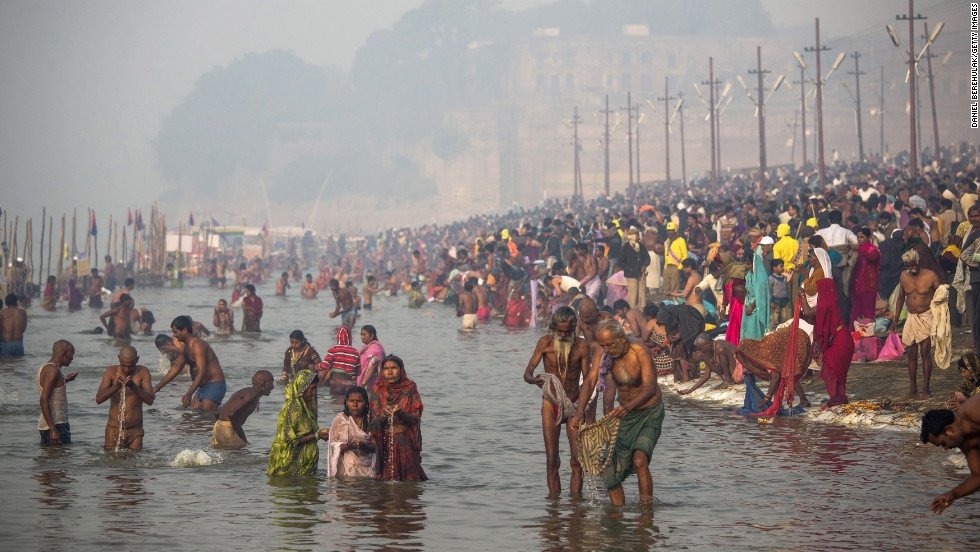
864	278
820	268
341	364
299	356
755	316
396	423
294	450
833	346
969	365
351	452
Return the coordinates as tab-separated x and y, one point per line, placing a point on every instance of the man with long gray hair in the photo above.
565	357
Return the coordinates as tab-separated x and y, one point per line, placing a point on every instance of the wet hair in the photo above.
621	304
350	391
129	282
612	326
125	297
334	282
285	274
651	310
10	300
468	286
563	314
161	340
371	330
934	423
182	322
702	340
298	336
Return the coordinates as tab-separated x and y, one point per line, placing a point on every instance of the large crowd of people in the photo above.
744	280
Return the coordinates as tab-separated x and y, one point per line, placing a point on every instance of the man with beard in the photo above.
565	359
640	411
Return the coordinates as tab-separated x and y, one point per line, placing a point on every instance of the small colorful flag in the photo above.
192	219
93	228
129	212
265	229
214	222
139	220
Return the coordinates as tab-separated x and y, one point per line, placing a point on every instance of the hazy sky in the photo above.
86	83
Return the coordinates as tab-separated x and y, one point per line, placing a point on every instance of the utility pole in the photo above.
763	181
629	137
711	82
578	167
637	109
820	80
802	82
857	87
932	96
666	99
911	17
607	112
881	112
680	111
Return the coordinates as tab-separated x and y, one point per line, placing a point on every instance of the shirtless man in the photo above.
127	288
13	322
916	288
222	269
565	357
640	408
118	321
632	320
345	304
466	305
482	300
128	387
228	432
197	354
309	289
224	319
370	288
419	271
95	290
585	269
282	284
688	293
53	423
718	355
960	429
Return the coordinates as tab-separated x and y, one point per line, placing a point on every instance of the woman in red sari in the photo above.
864	278
833	346
735	302
396	426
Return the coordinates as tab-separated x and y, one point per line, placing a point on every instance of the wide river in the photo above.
722	482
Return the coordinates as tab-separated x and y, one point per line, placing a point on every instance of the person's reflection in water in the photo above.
55	493
400	516
127	498
294	502
578	525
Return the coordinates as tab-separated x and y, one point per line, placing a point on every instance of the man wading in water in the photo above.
565	357
128	387
640	410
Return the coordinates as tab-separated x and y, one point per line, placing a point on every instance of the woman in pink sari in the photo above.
372	353
864	278
735	301
833	346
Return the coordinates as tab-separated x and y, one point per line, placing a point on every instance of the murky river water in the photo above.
722	482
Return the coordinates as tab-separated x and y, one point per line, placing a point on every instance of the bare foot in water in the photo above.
925	395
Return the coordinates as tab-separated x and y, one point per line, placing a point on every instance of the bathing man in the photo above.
127	386
228	430
209	380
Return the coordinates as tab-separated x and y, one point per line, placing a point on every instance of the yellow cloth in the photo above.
786	249
940	333
225	437
782	230
676	252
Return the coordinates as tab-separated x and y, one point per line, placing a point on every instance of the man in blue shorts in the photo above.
13	322
208	385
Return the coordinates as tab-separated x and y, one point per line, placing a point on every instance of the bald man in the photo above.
127	386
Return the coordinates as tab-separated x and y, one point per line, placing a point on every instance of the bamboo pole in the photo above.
44	219
13	237
61	254
50	241
29	249
95	239
108	239
74	241
88	237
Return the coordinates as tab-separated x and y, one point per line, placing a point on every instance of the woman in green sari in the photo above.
294	450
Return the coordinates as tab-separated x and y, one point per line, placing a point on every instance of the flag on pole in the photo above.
139	220
214	222
129	212
265	230
93	228
192	219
